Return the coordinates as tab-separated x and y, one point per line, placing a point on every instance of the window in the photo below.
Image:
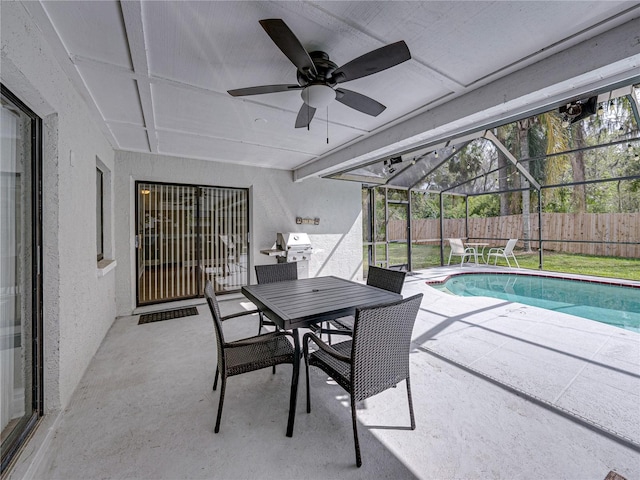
104	220
99	214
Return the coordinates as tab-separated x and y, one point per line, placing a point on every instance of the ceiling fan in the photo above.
318	77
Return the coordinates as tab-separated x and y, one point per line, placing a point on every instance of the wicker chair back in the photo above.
276	272
380	348
391	280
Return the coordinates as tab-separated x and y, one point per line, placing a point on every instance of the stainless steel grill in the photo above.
292	247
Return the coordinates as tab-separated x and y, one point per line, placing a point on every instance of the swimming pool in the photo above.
611	304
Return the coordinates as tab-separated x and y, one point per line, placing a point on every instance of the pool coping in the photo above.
618	282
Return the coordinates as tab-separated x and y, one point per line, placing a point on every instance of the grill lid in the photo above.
288	241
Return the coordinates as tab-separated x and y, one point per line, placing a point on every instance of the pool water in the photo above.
611	304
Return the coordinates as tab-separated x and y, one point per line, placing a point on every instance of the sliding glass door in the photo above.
20	279
224	233
186	234
167	243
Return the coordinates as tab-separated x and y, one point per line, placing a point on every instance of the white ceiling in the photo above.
155	74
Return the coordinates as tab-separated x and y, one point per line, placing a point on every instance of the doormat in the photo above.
614	476
167	315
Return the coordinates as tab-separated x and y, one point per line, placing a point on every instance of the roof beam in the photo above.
435	167
490	136
44	23
604	60
132	14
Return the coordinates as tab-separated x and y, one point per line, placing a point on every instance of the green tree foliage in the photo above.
484	206
553	153
425	205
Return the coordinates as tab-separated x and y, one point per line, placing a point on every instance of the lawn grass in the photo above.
425	256
612	267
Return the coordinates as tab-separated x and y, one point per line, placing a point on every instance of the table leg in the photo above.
294	383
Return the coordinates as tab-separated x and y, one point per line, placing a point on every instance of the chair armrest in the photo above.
239	314
267	337
336	331
322	346
317	328
495	251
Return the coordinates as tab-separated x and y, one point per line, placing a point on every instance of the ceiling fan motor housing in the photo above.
324	67
318	89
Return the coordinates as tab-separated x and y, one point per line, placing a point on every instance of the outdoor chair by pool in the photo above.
248	354
390	280
374	360
276	272
457	249
505	253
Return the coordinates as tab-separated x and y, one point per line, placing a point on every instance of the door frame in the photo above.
199	286
407	242
10	451
371	227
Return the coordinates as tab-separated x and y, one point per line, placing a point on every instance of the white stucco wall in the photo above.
275	202
79	306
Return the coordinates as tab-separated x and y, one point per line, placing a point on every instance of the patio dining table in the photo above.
301	303
475	246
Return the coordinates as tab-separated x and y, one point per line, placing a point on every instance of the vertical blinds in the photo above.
187	234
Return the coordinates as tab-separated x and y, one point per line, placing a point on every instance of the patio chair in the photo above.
505	253
458	249
390	280
276	272
376	359
248	354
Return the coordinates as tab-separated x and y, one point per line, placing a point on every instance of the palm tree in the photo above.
504	166
523	142
555	166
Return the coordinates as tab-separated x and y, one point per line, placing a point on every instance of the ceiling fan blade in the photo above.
373	62
286	41
305	115
241	92
359	102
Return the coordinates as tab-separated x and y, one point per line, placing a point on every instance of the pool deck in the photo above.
578	367
500	390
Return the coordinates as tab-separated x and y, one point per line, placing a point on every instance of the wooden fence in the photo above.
558	229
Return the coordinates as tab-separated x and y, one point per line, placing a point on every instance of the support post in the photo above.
540	253
466	217
441	231
409	239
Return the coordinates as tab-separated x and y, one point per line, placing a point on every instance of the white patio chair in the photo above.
505	253
457	248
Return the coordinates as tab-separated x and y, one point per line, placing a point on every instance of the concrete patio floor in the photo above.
501	390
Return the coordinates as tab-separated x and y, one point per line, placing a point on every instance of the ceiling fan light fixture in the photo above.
318	96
